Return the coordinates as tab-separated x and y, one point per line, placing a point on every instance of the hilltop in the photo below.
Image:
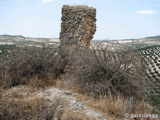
20	40
30	41
70	86
152	39
138	43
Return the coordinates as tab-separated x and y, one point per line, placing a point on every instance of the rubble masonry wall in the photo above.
78	25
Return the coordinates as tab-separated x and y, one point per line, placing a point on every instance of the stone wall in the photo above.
78	25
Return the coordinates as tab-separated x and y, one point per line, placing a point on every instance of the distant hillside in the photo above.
149	39
146	39
140	43
152	60
153	37
20	40
6	35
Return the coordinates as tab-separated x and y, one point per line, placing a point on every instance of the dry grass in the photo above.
114	108
36	82
33	107
22	109
24	65
103	78
23	103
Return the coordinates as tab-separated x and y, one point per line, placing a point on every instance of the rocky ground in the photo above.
52	95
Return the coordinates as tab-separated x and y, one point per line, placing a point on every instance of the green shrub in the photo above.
156	72
149	76
158	80
152	73
155	100
156	58
155	61
6	48
154	76
151	63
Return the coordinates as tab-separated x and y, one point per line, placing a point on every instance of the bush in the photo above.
154	69
158	64
152	73
104	71
156	58
155	99
154	76
149	76
158	80
23	64
156	72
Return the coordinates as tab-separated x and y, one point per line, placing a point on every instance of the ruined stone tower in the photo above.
78	25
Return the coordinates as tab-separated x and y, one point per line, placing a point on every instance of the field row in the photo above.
152	59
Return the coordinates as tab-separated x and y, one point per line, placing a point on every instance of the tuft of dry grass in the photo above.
43	82
37	108
115	107
21	109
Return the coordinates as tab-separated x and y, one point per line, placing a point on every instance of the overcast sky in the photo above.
116	19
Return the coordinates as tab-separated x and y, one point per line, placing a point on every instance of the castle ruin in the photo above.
78	26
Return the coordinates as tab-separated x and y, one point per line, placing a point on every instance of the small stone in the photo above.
67	93
35	89
98	115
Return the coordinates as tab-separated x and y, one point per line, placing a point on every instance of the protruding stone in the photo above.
78	25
